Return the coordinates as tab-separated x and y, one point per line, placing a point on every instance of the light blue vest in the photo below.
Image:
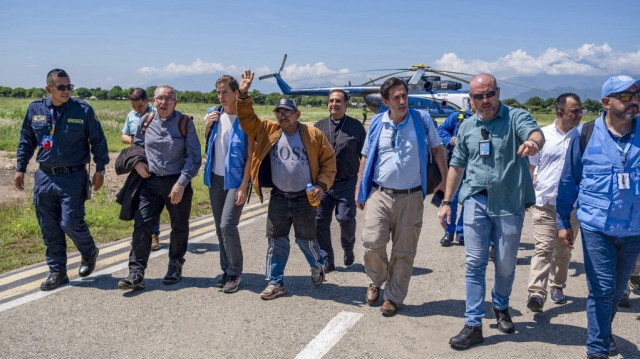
602	206
375	128
236	155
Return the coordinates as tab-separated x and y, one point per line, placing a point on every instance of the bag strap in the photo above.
146	120
183	125
585	134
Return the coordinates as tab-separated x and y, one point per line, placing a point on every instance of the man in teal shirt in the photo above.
493	146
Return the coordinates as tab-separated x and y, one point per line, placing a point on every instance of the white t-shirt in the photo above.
290	170
221	143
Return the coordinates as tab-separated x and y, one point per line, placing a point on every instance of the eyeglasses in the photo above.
626	96
164	99
286	113
68	87
488	95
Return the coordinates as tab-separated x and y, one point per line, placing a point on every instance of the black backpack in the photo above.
585	134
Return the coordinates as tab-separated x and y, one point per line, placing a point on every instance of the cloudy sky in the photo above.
132	43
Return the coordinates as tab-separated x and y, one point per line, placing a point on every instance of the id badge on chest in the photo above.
47	142
623	181
485	148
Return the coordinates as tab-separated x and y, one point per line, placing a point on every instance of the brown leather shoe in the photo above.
389	308
155	242
373	293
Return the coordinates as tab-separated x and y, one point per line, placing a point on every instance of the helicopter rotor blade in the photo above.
284	59
416	77
372	81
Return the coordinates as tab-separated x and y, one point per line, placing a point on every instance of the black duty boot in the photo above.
174	272
468	336
505	324
55	280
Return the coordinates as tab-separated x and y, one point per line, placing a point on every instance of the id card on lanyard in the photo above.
623	178
47	140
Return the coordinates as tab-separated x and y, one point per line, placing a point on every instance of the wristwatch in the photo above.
448	203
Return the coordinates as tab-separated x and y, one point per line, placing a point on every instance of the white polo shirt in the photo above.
549	163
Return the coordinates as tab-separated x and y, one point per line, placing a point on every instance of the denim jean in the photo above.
608	263
283	213
453	227
480	229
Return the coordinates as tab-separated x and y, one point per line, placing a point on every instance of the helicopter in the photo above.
427	92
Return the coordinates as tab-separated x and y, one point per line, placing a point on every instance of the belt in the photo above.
342	179
290	195
397	191
60	170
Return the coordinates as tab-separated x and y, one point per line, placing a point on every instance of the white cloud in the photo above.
198	67
589	59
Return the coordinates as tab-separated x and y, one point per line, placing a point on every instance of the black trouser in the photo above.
154	196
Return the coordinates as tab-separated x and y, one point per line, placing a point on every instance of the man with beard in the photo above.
605	179
492	145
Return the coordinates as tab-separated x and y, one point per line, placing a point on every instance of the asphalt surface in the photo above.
193	319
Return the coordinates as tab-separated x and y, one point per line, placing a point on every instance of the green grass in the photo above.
21	243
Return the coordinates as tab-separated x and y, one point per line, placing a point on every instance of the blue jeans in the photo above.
480	230
452	227
278	254
608	263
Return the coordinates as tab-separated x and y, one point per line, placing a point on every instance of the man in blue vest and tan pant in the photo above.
605	180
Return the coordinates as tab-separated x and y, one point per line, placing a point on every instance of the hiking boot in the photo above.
272	291
505	324
557	296
535	303
155	242
469	336
54	280
446	240
317	275
134	281
174	272
232	284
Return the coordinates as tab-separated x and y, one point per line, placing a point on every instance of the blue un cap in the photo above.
618	84
287	103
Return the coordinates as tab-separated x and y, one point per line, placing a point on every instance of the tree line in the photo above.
534	104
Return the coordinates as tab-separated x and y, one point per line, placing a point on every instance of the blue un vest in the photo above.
602	206
236	155
375	128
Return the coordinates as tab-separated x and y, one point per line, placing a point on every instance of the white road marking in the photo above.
111	269
329	336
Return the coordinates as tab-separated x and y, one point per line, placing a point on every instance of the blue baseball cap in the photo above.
618	84
287	103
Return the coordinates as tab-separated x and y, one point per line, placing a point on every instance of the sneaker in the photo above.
613	347
155	242
446	240
624	301
505	324
535	303
134	281
54	280
460	240
491	253
557	296
174	272
317	275
222	281
467	337
634	282
232	284
272	291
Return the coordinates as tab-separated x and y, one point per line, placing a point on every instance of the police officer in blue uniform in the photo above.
64	130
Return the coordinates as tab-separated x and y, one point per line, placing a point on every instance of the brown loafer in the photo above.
155	242
373	293
389	308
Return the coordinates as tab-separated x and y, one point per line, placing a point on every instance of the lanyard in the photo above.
53	124
395	139
623	152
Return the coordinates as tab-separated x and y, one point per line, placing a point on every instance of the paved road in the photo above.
92	318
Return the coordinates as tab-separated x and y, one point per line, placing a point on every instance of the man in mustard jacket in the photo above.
298	155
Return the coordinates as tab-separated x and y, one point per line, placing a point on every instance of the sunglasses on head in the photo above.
626	96
488	94
63	87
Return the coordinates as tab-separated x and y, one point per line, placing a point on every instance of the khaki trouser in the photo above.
397	217
550	260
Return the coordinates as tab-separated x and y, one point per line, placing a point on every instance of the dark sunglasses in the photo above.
481	96
63	87
626	96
